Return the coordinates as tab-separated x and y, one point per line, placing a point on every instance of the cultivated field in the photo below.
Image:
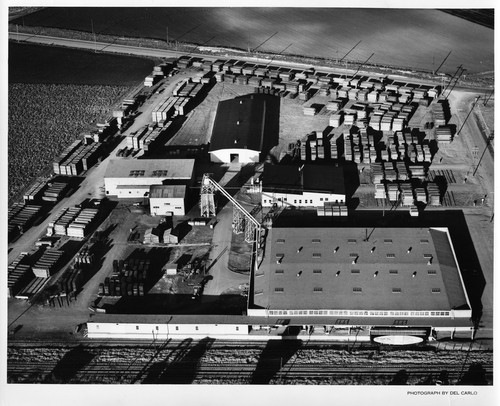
44	119
43	64
404	38
55	94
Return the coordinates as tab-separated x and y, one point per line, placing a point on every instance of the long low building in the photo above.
132	178
389	285
302	186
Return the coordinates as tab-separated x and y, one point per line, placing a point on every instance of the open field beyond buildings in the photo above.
51	102
420	39
44	64
55	116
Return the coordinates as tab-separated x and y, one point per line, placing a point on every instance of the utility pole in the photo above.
485	148
489	97
352	49
93	34
442	63
472	108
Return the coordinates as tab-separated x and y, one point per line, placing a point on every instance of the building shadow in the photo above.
475	375
401	378
72	362
182	364
273	358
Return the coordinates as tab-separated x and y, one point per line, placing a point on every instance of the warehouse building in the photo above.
389	285
243	128
132	178
389	277
167	200
302	186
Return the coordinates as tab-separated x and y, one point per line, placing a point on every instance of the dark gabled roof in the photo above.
311	178
239	123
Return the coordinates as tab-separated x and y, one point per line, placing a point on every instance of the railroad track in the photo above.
189	371
188	361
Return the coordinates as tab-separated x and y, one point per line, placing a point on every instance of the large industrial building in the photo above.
302	186
334	283
132	178
240	126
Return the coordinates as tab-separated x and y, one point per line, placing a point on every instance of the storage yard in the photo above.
158	222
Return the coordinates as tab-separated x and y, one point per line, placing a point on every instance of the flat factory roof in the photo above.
336	268
298	179
150	168
167	191
240	123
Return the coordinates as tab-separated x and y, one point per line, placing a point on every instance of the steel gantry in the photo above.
243	221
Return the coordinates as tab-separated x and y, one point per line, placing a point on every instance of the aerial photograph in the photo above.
244	196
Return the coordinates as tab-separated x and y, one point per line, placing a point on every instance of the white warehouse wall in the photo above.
163	206
307	199
244	155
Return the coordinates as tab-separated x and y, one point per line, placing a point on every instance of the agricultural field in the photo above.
415	38
55	95
42	64
44	119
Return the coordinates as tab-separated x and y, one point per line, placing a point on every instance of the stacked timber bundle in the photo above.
55	191
349	119
68	151
443	135
149	80
406	194
309	111
335	120
419	152
48	263
377	171
128	278
426	153
402	172
80	226
390	173
375	121
71	281
217	66
21	218
61	222
32	288
347	147
393	192
417	172
152	236
362	95
438	113
18	274
163	110
372	97
420	195
433	195
380	191
34	192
